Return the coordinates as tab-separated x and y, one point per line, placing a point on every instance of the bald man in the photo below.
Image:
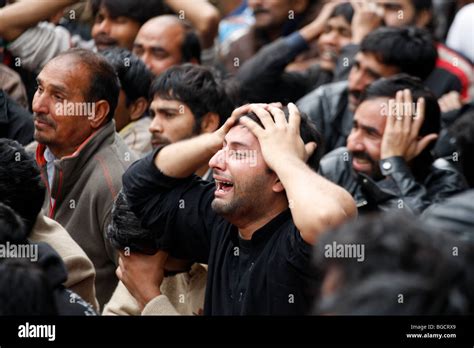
165	41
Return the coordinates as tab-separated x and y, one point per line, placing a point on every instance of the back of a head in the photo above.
413	260
25	289
12	229
196	86
410	49
308	132
125	229
138	10
21	186
463	132
135	78
104	82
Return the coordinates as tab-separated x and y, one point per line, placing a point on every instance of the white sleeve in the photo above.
39	44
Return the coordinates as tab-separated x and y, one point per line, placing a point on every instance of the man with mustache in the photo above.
383	53
387	163
187	100
80	155
255	225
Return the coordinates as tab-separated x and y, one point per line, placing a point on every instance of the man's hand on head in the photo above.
401	134
280	139
142	274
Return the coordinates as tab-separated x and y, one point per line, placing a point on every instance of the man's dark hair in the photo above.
196	86
125	231
138	10
463	132
134	76
21	186
410	49
25	289
191	45
401	256
12	229
308	132
105	84
388	87
421	5
345	10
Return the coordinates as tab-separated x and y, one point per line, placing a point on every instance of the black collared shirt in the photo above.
269	274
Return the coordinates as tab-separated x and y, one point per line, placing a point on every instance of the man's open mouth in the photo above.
223	186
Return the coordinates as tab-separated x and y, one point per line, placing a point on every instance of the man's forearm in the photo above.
15	19
181	159
316	203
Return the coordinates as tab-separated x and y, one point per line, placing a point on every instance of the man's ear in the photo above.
423	18
101	110
299	6
210	122
277	186
137	108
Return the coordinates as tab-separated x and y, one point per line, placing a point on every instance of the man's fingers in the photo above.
278	115
252	126
310	148
419	118
294	120
264	116
407	111
424	142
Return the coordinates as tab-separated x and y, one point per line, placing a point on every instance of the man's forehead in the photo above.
159	102
240	134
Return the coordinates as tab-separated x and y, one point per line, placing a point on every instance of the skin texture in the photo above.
57	82
158	43
366	69
337	33
108	32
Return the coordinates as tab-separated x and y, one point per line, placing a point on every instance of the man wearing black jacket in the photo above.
15	122
255	225
387	163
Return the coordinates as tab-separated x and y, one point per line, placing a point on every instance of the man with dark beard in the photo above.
255	225
388	163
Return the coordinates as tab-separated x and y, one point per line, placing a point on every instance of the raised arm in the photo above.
316	204
202	15
15	19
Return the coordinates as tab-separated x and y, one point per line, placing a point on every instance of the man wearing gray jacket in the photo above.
80	155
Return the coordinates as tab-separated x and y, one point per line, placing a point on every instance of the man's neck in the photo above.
62	152
247	229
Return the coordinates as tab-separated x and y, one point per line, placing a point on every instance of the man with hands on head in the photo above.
255	225
388	162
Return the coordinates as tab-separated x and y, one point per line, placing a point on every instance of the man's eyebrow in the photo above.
238	143
60	88
369	129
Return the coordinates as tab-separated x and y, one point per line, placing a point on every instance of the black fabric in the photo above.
269	274
67	302
15	122
399	190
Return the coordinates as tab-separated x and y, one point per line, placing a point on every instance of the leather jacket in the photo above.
398	188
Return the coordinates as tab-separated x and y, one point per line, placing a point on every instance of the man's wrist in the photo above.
392	164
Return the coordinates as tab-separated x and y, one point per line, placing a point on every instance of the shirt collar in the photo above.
48	156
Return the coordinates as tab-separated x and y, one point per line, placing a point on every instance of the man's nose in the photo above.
218	161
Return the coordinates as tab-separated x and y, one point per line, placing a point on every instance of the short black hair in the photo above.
401	256
25	289
199	87
191	45
138	10
135	78
421	5
105	84
345	10
21	186
308	132
12	229
410	49
463	132
125	230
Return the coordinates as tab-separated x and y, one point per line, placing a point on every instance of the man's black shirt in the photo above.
269	274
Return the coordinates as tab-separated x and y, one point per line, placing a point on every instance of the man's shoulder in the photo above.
328	93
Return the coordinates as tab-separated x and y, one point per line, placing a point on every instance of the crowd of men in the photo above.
237	157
